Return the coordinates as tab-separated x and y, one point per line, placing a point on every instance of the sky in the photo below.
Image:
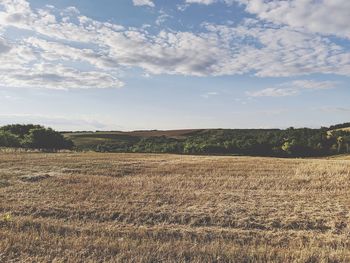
179	64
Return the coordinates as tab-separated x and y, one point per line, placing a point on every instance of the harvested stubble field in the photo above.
90	207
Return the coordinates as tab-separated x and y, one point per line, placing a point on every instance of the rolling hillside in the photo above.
291	142
88	140
344	129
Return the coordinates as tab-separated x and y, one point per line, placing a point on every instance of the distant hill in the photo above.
343	129
290	142
341	126
90	140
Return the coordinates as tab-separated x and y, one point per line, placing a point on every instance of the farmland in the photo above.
89	140
291	142
96	207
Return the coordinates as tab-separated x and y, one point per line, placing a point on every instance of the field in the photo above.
345	129
88	140
95	207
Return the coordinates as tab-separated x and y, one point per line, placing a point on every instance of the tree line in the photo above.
291	142
33	137
280	143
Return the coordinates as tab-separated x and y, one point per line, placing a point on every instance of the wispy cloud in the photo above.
204	2
334	109
207	95
209	2
70	50
143	3
273	92
163	16
293	88
310	15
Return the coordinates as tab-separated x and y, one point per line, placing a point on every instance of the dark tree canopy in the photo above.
340	126
7	139
42	138
19	129
33	136
291	142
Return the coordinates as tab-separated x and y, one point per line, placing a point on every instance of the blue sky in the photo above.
142	64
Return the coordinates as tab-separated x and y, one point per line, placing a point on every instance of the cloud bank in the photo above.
67	50
322	16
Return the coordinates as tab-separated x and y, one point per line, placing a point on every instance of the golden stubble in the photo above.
94	207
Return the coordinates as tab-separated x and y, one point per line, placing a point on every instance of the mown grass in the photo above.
90	207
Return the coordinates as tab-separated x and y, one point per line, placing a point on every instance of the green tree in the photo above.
42	138
289	146
20	129
7	139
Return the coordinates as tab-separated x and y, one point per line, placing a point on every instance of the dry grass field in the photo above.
90	207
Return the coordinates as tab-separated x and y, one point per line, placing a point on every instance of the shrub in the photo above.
33	136
42	138
20	129
7	139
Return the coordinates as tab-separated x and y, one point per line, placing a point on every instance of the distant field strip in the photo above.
95	207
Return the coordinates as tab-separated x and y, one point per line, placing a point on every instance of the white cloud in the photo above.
78	51
71	10
57	77
163	16
182	7
280	52
209	2
293	88
204	2
168	52
314	85
327	17
207	95
4	46
54	51
38	63
273	92
334	109
143	3
321	16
